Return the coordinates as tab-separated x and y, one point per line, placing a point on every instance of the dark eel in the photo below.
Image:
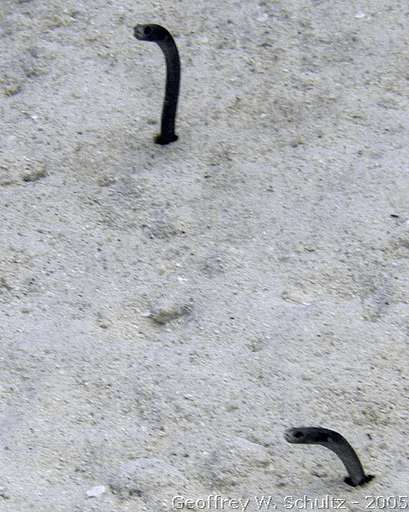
336	443
160	36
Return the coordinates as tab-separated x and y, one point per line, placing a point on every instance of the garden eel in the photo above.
336	443
160	36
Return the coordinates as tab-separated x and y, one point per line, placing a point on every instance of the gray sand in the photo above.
167	312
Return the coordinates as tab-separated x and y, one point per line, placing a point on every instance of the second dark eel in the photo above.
336	443
165	41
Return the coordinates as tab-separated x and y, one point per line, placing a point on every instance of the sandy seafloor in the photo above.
272	240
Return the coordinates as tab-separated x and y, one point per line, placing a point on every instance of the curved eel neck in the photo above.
169	49
347	454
